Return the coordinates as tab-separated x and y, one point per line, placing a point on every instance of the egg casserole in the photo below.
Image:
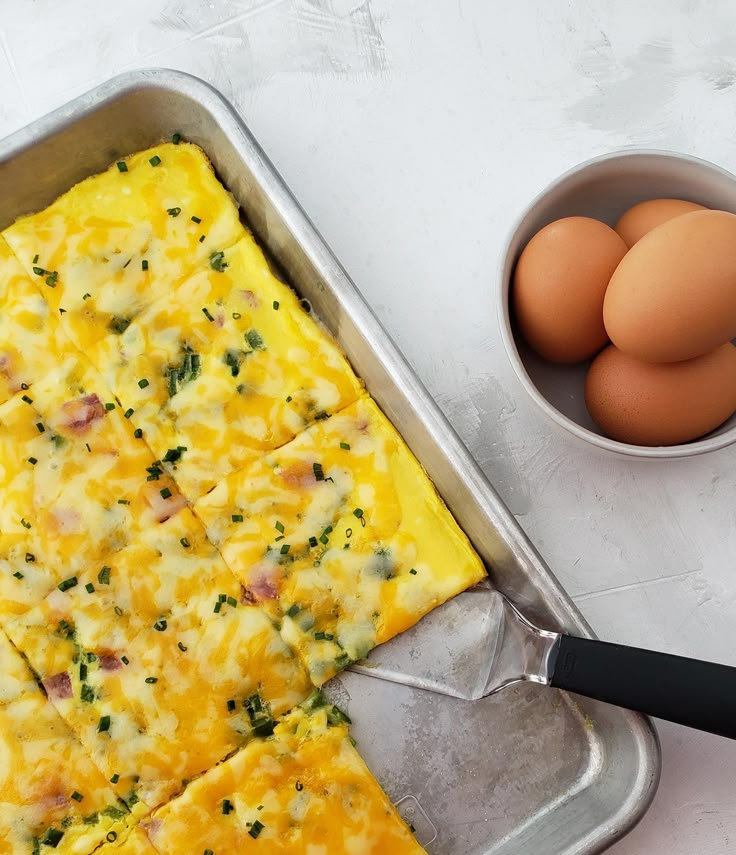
204	517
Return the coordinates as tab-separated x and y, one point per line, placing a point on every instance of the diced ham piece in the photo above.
250	298
58	687
263	584
78	415
109	662
300	474
67	520
165	508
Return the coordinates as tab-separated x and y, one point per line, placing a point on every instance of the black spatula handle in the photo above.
686	691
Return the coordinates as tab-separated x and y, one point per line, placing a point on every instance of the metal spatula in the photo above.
479	643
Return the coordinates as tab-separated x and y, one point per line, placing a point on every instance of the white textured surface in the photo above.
414	133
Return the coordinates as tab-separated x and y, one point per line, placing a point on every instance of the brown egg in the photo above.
559	284
645	216
674	294
661	404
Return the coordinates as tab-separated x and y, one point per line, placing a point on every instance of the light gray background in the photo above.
414	133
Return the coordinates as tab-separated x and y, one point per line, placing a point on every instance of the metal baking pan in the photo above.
528	771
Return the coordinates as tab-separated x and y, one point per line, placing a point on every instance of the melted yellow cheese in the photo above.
341	536
177	685
31	339
96	238
150	359
305	791
52	797
254	369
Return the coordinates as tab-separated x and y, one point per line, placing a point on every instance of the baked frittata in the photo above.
204	516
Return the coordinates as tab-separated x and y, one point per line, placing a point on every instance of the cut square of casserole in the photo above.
341	536
227	366
76	479
304	790
52	797
157	700
118	240
31	338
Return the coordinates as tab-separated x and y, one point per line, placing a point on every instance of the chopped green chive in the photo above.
285	548
231	705
89	588
33	461
71	582
254	339
122	166
111	836
39	271
118	611
160	625
358	512
176	139
165	493
184	542
196	220
129	412
138	433
86	296
319	636
27	399
173	212
182	647
51	280
87	694
103	577
144	264
298	786
227	806
142	383
77	796
18	574
103	725
345	445
109	406
52	838
217	261
208	852
40	427
292	611
118	325
151	680
155	160
413	572
276	305
237	316
123	501
25	523
207	313
279	527
125	660
319	474
217	608
313	541
201	238
232	602
115	778
288	399
83	671
256	829
237	518
35	258
30	557
87	446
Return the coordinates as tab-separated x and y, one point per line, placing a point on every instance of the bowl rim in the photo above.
699	446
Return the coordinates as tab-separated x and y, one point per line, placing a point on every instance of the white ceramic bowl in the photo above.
604	188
